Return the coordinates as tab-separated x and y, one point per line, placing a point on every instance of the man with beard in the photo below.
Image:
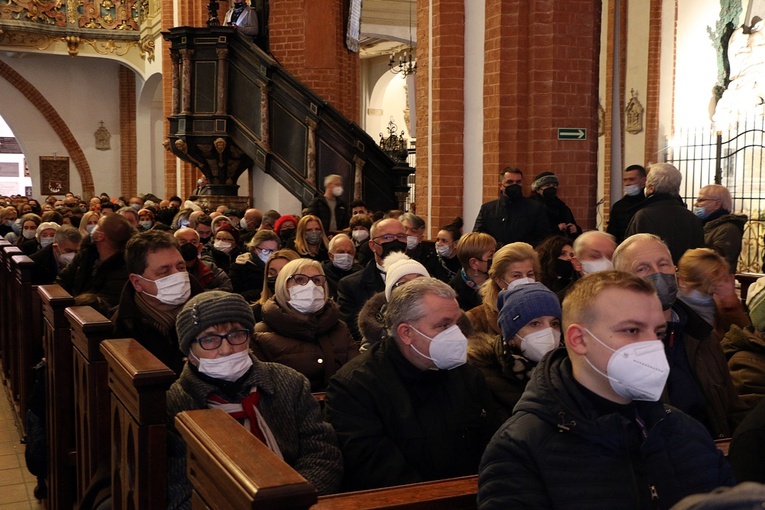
353	291
512	217
545	188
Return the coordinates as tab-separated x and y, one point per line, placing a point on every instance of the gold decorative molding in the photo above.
42	42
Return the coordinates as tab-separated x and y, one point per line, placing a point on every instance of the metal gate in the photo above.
733	158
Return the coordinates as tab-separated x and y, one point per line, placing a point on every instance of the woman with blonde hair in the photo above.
301	327
310	240
513	264
274	266
88	222
706	287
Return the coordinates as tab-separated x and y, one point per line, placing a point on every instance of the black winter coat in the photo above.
621	214
106	280
564	447
355	290
524	220
319	207
397	424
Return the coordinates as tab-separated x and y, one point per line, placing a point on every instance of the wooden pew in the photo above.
26	341
7	324
229	468
57	343
138	382
747	279
91	392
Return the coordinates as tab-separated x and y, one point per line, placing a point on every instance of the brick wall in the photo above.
541	74
308	38
654	80
448	113
128	150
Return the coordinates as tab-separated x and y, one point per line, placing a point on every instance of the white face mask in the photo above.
360	235
444	251
337	191
519	281
229	368
448	349
343	261
89	228
145	224
223	246
593	266
538	343
412	242
172	290
46	241
632	190
637	371
28	234
308	298
243	224
66	258
264	255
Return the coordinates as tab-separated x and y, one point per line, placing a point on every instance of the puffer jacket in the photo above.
316	345
307	443
564	447
745	350
724	235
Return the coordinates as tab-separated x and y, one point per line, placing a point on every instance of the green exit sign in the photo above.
572	134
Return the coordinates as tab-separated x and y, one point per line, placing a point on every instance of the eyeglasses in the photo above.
706	199
390	237
212	341
264	251
302	279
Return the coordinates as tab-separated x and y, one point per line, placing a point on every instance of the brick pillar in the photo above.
654	83
308	38
614	103
541	74
440	70
128	149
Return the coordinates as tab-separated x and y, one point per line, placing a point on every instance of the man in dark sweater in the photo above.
330	207
589	431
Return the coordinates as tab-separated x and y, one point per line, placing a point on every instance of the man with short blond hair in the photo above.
589	431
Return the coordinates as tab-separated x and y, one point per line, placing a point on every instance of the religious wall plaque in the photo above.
54	175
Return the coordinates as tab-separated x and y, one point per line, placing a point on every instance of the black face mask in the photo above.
514	192
189	252
287	234
564	268
550	193
391	246
205	240
271	284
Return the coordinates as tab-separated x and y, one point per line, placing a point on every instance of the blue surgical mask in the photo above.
700	212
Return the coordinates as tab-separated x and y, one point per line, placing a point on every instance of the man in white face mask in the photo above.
51	259
330	207
622	210
590	418
158	287
409	409
593	251
699	382
341	263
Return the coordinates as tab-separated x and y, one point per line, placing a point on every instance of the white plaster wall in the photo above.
666	85
12	185
636	77
475	32
385	98
696	64
150	134
269	194
83	91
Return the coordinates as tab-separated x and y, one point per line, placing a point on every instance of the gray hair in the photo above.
407	305
413	219
336	239
664	178
581	241
721	193
332	177
67	233
621	265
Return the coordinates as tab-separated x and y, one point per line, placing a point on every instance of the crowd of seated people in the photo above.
425	348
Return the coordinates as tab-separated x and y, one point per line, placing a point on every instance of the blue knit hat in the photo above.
520	305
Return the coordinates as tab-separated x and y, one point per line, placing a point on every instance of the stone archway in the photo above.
56	122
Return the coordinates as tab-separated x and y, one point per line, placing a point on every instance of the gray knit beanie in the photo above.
544	179
208	309
524	303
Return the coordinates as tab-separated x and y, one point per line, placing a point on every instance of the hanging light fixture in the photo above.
406	63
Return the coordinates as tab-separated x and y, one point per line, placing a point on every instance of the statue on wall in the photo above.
634	114
746	90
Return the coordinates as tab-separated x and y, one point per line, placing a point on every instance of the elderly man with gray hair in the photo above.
409	409
664	214
330	207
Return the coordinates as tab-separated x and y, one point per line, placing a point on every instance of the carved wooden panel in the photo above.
54	175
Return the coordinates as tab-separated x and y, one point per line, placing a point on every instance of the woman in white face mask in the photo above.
88	222
271	401
301	328
45	234
446	265
513	264
248	271
530	320
27	241
224	248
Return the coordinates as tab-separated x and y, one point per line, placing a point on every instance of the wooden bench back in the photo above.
7	307
138	382
91	392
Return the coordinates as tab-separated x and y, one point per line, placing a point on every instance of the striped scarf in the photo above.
248	411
